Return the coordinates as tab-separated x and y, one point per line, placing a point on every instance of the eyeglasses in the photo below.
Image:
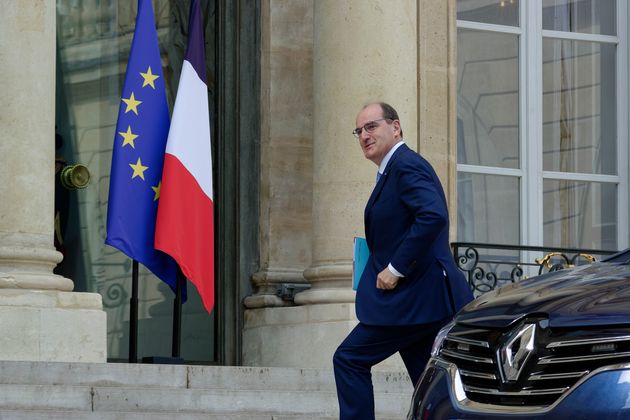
368	126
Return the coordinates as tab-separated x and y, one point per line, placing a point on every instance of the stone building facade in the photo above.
286	79
315	179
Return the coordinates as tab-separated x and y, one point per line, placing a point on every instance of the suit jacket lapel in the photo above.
381	182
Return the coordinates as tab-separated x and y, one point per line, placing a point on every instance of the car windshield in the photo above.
622	257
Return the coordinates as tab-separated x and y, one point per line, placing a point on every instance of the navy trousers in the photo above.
368	345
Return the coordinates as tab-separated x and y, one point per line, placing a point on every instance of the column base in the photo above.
264	301
325	296
30	268
300	336
331	283
52	326
269	283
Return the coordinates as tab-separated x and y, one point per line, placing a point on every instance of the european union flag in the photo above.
138	155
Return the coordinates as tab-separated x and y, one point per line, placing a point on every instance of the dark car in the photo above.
556	346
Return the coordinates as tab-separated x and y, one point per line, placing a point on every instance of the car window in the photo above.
622	257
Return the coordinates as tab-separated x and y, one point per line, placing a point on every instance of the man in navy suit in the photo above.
410	287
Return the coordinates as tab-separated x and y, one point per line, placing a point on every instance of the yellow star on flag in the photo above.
156	190
132	104
128	137
149	78
138	169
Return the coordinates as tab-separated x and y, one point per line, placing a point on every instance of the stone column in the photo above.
286	150
41	318
272	324
321	61
437	95
363	51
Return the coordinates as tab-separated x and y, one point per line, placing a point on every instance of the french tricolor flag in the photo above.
185	218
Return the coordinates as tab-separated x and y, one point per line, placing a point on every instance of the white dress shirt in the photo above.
388	156
381	171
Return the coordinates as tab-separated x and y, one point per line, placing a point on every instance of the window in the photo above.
541	126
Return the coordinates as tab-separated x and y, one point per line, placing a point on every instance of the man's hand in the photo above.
386	280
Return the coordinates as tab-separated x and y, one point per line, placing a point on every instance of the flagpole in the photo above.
177	314
133	315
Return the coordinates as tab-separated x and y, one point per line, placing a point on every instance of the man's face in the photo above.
384	136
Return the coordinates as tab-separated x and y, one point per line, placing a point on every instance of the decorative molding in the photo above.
31	268
265	301
336	272
278	275
269	282
324	296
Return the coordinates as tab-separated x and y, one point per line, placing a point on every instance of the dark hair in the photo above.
388	112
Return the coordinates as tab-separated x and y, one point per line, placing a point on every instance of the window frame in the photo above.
530	172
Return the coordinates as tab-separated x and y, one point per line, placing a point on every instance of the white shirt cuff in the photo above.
394	271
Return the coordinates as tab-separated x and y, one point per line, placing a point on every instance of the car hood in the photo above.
596	294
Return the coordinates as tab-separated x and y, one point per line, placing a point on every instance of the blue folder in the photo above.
359	259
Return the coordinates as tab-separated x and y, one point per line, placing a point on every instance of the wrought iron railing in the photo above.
488	266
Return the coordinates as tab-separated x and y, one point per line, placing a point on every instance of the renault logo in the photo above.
513	355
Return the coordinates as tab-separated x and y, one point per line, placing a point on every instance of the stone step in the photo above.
112	399
286	379
103	374
81	415
323	404
112	391
45	397
182	376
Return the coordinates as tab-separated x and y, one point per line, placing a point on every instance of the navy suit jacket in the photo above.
406	223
